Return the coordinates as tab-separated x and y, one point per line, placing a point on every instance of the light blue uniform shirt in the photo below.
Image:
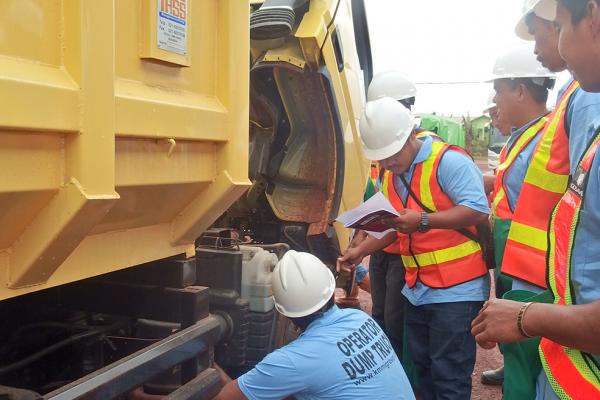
581	114
462	181
518	284
342	355
585	261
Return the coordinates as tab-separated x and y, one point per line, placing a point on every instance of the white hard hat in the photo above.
302	284
391	84
521	62
384	128
491	104
545	9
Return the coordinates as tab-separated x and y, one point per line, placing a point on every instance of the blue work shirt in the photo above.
585	257
543	390
342	355
462	181
581	114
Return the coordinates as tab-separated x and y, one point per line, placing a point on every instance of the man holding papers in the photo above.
438	193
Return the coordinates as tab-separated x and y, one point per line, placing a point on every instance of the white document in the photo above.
368	216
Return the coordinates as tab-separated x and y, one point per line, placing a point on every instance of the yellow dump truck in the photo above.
156	157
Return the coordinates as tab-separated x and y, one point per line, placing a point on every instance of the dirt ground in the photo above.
486	359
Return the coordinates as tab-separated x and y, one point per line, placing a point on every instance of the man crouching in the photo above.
341	354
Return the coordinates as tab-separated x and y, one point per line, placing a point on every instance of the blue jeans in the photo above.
443	348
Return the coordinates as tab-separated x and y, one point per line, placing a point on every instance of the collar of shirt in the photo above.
422	155
325	319
516	134
563	89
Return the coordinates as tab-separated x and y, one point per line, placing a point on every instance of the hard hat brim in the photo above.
544	9
489	107
391	84
385	152
522	30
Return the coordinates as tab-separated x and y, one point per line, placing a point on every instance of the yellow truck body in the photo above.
133	133
122	140
111	155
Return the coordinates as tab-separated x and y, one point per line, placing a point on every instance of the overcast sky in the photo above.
443	41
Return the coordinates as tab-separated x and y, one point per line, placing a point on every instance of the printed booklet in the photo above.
369	216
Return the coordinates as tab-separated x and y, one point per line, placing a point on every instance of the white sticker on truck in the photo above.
172	24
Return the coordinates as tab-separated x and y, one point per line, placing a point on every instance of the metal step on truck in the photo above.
157	157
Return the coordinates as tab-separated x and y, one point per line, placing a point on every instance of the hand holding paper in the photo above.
372	216
407	222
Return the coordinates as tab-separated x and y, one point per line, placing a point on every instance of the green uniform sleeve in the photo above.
370	190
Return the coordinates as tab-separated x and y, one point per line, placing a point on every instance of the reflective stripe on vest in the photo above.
498	195
500	206
439	258
426	134
545	182
379	181
571	373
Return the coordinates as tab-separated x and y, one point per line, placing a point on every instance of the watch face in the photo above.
424	225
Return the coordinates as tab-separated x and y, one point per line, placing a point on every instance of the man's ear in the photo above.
593	11
522	92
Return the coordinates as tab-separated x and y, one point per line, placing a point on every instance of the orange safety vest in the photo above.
545	182
439	258
500	207
378	177
572	374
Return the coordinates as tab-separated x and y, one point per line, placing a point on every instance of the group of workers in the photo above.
546	215
536	222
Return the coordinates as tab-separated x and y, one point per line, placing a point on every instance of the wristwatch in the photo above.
424	225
